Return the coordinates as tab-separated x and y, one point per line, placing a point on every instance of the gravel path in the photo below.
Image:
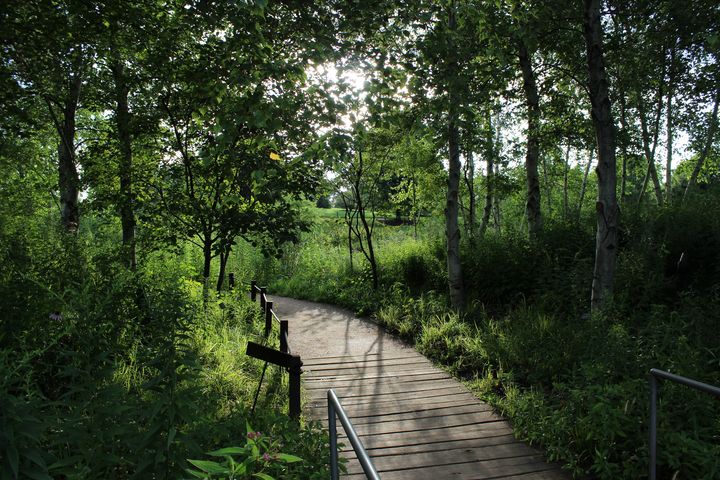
321	330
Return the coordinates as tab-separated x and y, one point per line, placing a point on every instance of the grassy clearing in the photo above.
575	385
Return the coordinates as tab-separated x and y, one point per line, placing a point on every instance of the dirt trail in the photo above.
321	330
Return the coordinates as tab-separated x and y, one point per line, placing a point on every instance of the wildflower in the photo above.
254	435
266	457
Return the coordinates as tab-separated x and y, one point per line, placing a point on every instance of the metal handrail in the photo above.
656	374
336	409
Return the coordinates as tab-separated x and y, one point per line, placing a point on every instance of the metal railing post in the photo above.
268	318
253	286
332	427
656	374
653	426
231	280
362	455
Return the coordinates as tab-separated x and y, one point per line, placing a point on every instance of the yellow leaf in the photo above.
274	156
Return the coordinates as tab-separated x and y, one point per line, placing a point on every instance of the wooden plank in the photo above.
366	363
369	368
275	357
361	359
454	411
436	435
385	388
480	442
397	398
404	461
373	410
473	419
313	377
478	470
325	383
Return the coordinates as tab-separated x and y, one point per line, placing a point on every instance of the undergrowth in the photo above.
108	373
572	383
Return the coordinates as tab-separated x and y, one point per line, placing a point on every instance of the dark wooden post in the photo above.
294	388
268	318
253	285
263	298
231	280
284	336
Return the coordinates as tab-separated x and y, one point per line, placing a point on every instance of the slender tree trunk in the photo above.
650	151
624	126
452	230
415	208
122	119
469	174
370	250
207	263
366	246
708	145
608	212
583	188
668	162
224	255
489	179
69	180
532	209
566	168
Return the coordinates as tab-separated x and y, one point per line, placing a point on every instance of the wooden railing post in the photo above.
253	285
294	388
268	318
284	336
263	298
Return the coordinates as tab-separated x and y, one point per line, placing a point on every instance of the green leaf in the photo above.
288	458
208	466
263	476
195	473
227	451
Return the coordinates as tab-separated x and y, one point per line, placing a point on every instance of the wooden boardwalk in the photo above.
415	420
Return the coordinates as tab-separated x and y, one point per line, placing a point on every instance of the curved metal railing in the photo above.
336	410
656	374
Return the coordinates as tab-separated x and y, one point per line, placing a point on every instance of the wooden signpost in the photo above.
285	360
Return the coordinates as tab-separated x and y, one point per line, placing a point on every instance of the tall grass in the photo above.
573	383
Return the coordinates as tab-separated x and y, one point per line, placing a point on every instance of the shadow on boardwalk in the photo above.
415	420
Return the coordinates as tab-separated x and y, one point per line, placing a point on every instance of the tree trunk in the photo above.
607	208
452	230
490	161
583	188
650	151
122	118
469	174
706	149
566	168
533	208
69	180
207	263
370	250
221	273
668	161
624	126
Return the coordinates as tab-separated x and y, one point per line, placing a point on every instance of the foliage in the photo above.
573	384
94	386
